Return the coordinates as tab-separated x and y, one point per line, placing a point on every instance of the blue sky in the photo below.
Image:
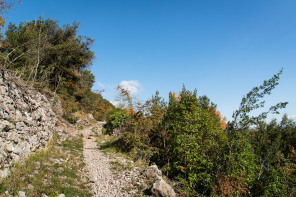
221	48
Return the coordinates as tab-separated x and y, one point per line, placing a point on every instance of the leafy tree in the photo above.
265	145
241	118
42	51
274	145
193	141
238	168
53	57
116	119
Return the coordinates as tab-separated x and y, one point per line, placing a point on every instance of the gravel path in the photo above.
99	169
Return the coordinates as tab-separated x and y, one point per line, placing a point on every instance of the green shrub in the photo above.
71	118
116	119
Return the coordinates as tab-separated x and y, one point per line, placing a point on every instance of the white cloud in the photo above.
132	86
101	85
115	103
293	117
118	104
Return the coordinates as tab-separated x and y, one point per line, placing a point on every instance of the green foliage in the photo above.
238	170
53	57
41	50
274	144
140	133
241	119
71	118
268	165
192	142
116	120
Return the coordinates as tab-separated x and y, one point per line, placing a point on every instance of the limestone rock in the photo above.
9	148
21	194
30	186
26	121
153	173
161	188
4	173
5	126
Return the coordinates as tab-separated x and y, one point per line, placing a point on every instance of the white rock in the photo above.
153	173
30	186
5	125
21	194
9	148
161	188
4	173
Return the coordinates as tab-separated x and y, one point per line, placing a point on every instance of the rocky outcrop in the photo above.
26	121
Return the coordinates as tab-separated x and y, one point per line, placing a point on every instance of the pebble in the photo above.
30	186
60	169
21	194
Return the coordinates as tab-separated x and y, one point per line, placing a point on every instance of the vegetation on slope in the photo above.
54	171
189	140
51	57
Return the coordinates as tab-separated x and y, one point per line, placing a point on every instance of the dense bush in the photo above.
116	120
193	142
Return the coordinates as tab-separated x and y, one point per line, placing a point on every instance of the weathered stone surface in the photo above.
158	186
9	148
4	173
153	173
26	121
21	194
161	188
5	126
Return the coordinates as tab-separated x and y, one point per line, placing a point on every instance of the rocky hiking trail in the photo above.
113	176
98	166
77	163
